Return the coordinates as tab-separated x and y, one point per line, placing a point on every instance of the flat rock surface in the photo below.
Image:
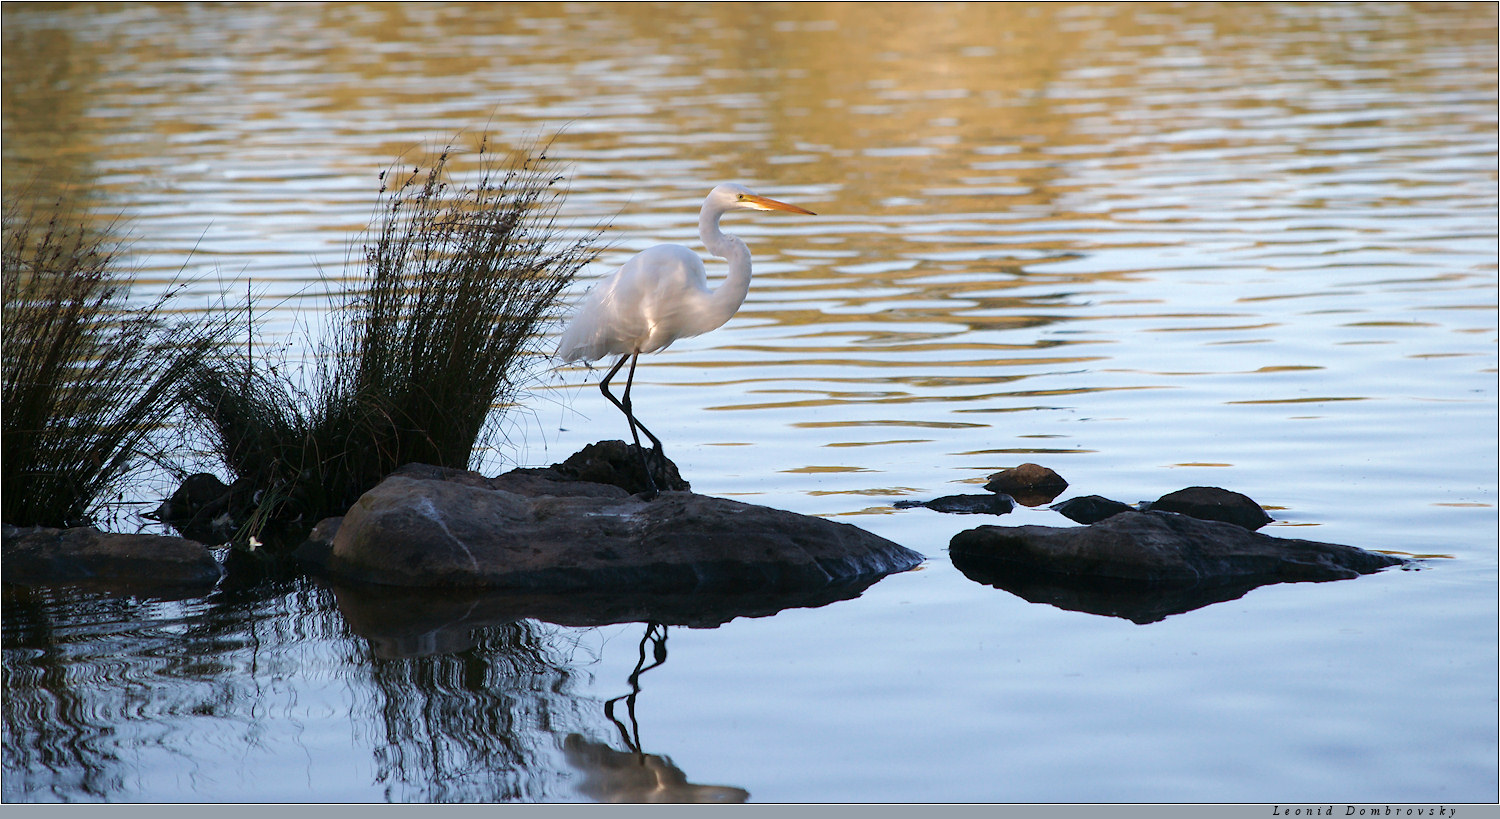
1160	547
425	526
1145	566
143	564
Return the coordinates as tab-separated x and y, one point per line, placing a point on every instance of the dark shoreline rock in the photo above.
1146	565
612	463
151	565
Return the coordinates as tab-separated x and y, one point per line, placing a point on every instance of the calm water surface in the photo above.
1251	246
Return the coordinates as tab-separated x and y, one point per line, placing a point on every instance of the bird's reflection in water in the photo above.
634	775
656	637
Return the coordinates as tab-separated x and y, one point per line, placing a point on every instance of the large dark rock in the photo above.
1213	503
151	565
1146	565
425	526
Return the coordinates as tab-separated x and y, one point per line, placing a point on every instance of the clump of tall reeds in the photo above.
457	281
90	383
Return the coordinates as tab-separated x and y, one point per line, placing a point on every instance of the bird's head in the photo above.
732	196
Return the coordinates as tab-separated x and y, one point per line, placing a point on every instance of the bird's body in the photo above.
657	297
661	295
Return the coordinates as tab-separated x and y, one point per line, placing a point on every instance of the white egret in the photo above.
661	295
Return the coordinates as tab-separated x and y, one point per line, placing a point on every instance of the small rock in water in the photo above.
1090	508
1029	484
1213	503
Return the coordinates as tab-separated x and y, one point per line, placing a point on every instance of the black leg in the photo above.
629	380
624	405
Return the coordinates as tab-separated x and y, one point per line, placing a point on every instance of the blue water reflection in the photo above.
1149	246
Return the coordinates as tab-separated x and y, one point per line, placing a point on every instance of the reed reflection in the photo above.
95	683
55	744
476	725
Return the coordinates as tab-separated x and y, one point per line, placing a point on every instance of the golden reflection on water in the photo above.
1019	201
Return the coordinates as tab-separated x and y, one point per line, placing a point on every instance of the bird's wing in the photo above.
642	307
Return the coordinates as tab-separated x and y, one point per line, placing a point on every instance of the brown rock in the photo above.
1029	484
410	531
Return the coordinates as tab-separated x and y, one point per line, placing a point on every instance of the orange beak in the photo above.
762	203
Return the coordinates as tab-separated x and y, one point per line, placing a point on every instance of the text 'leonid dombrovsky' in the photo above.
1362	810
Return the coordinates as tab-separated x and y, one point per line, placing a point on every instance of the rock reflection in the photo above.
1137	602
402	622
620	776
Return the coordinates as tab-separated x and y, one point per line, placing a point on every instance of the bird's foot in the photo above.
651	491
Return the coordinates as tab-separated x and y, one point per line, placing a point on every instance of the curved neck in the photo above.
730	294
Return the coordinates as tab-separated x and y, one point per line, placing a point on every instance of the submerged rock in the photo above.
425	526
1213	503
1146	565
1029	484
1090	508
153	565
964	504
